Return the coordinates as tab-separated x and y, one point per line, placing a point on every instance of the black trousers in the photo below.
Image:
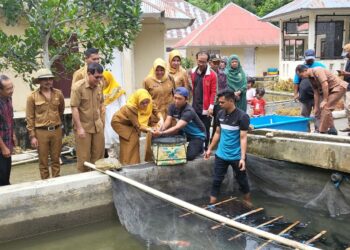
194	148
5	170
220	170
207	123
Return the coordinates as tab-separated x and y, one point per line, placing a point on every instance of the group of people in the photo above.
172	101
319	90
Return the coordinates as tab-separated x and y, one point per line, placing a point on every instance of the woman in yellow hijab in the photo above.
160	85
132	119
177	71
114	99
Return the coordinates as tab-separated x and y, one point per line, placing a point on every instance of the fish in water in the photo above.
178	243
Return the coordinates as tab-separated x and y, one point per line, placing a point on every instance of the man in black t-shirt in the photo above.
187	122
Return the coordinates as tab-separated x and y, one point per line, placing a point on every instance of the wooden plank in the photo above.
259	226
282	232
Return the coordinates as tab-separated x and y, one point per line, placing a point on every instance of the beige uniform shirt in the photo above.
41	112
321	75
181	79
88	100
79	74
162	93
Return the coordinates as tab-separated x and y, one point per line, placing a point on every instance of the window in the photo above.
299	27
329	37
293	49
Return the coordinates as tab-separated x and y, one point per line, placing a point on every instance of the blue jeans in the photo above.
220	170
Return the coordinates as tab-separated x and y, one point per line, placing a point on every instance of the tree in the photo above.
56	29
260	7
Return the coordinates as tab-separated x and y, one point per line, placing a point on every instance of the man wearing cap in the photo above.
222	84
302	87
91	56
87	103
332	89
7	135
44	112
346	74
187	121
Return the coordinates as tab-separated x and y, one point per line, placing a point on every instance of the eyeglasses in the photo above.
98	77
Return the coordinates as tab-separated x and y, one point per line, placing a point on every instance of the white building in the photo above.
322	25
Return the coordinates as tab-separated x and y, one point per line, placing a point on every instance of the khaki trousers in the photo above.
326	120
49	143
90	149
130	149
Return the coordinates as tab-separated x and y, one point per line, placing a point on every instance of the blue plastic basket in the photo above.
280	122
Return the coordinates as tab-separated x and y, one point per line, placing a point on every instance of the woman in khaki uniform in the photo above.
177	71
130	121
160	85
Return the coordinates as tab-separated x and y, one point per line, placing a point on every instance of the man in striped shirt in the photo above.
231	134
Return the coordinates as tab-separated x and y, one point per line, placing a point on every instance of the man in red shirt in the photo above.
204	81
258	103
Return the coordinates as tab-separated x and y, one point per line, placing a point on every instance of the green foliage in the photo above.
259	7
59	29
270	5
187	63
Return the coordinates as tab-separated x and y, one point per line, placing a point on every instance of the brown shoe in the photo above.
345	130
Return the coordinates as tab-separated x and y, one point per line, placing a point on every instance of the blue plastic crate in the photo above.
280	122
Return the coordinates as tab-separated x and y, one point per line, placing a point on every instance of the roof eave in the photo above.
177	23
276	18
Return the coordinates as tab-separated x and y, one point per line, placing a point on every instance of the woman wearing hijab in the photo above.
114	99
177	71
237	81
160	86
130	121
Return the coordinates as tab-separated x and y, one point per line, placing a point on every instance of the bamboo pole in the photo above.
203	212
206	207
239	217
316	237
259	226
282	232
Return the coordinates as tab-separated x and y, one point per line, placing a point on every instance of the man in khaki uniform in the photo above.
91	56
332	89
45	107
86	103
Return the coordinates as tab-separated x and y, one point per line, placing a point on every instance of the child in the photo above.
250	94
258	103
250	90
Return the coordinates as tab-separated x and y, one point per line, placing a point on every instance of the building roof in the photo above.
172	17
301	5
200	17
232	26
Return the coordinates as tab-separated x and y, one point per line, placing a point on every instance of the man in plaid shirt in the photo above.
7	136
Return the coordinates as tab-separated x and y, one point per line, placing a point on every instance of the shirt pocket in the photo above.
55	107
41	107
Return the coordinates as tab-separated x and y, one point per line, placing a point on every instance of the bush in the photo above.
187	63
282	85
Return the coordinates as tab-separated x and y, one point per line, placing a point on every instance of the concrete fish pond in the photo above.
291	201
